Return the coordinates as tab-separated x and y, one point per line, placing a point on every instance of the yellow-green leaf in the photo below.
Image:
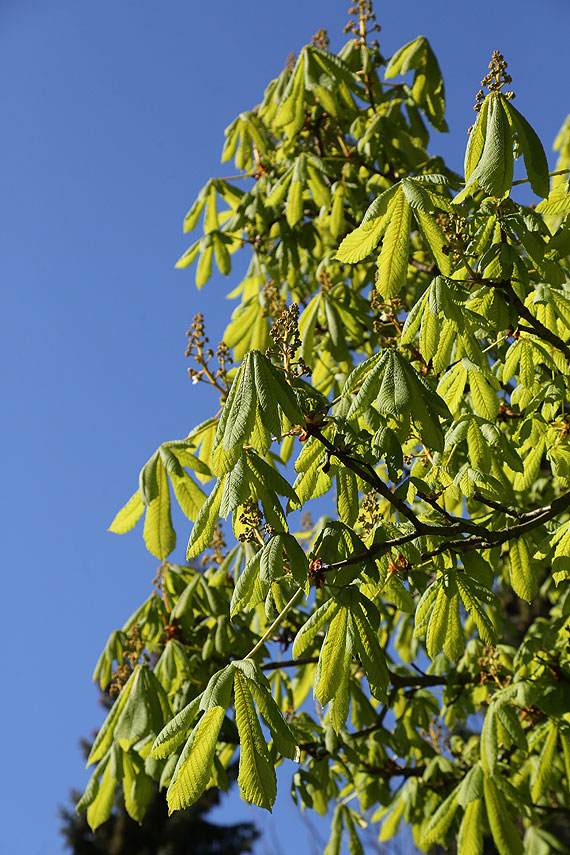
194	768
129	515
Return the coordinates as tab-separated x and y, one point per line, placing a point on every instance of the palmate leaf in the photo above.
194	766
257	780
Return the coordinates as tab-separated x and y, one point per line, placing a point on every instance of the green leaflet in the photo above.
533	152
148	484
438	825
437	625
338	706
335	840
489	742
369	652
504	833
104	738
257	780
494	170
545	763
194	767
249	589
523	578
137	786
291	112
435	239
331	659
347	496
159	534
129	515
557	201
189	496
100	809
280	730
470	838
206	520
471	787
218	691
470	593
319	618
393	259
476	141
360	243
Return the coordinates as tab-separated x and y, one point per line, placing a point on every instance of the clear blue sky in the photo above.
113	119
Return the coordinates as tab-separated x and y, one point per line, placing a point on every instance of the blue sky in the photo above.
113	119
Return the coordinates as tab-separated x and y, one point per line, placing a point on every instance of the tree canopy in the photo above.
397	366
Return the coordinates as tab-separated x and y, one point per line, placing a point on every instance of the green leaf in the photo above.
436	240
533	152
257	780
489	742
546	763
173	734
470	838
129	515
100	809
470	595
438	825
370	652
360	242
194	767
331	660
280	730
393	260
203	529
504	833
523	578
104	738
476	142
437	626
218	691
471	786
159	534
319	618
148	484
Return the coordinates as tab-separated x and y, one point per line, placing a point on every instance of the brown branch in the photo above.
497	506
288	663
537	328
368	475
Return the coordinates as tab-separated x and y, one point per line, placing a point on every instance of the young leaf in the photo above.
194	767
129	515
159	534
331	659
504	833
393	260
257	780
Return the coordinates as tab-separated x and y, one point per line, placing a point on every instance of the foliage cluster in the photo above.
402	343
